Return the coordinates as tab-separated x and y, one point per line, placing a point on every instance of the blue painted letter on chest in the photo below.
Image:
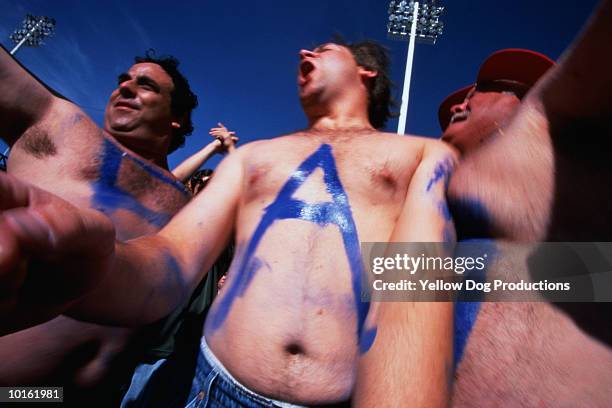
336	212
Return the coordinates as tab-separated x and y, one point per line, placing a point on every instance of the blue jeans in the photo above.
213	386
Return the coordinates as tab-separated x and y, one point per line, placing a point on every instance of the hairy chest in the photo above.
131	190
322	171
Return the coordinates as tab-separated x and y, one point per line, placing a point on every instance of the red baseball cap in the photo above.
514	64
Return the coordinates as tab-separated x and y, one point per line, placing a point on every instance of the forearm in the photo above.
146	281
151	275
410	362
190	165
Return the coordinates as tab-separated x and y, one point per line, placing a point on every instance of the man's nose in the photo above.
127	88
459	107
306	54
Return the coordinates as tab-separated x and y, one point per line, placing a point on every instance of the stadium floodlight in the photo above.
32	31
413	21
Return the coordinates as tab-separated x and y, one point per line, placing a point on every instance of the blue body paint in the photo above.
441	172
337	212
469	302
471	218
108	197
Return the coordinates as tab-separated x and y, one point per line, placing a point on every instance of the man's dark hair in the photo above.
375	57
183	100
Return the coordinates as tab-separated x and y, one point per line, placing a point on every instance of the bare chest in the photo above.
320	171
139	197
132	190
526	354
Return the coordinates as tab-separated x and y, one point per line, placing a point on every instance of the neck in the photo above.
347	114
152	150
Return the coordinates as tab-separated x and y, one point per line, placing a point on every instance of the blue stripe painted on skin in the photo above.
468	303
441	172
337	212
108	197
158	174
472	219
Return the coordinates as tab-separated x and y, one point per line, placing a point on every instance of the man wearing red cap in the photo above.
473	113
518	354
533	169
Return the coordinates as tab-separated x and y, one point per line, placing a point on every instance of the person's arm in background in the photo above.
225	141
552	158
546	177
45	243
410	362
24	100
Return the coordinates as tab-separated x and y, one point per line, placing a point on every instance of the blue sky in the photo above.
241	56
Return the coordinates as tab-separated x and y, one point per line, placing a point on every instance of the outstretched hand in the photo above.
227	138
51	254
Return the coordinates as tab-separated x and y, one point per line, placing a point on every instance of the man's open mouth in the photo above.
306	67
459	116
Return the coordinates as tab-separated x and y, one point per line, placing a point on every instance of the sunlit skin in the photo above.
324	74
289	322
61	150
138	113
479	116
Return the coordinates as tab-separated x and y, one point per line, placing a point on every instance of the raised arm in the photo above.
141	280
224	141
51	254
191	164
23	100
410	362
546	176
153	274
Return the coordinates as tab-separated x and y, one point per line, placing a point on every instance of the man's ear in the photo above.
177	121
367	73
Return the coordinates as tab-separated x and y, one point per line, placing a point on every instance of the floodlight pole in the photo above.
25	37
401	126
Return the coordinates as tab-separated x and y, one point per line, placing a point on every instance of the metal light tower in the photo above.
411	21
31	33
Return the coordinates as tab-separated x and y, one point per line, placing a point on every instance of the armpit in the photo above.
38	143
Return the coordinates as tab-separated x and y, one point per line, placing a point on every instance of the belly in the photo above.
530	354
286	321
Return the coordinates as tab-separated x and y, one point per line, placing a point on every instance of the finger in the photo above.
13	193
9	258
29	230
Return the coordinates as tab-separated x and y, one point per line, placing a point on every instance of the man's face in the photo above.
481	114
325	72
141	103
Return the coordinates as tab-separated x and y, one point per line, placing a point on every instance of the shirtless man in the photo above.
523	164
525	354
120	170
289	324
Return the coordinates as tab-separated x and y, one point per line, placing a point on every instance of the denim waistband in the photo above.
216	365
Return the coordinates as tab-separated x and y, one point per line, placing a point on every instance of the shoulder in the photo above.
425	146
438	148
